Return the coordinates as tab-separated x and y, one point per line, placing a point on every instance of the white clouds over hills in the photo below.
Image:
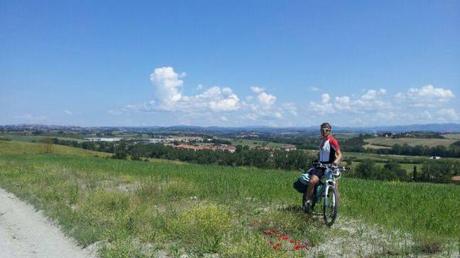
426	96
217	105
416	105
168	95
168	86
214	101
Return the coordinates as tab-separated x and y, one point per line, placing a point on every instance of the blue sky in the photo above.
229	63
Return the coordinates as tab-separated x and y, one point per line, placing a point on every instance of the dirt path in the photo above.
25	232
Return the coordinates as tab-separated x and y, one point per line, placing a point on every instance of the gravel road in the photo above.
25	232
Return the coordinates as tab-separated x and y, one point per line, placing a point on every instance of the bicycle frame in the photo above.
328	181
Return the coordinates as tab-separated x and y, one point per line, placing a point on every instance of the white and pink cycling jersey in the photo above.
327	149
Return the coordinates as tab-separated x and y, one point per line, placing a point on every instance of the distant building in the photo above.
99	139
288	147
170	139
435	157
386	134
222	147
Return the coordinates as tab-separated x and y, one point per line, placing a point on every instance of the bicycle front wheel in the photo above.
330	205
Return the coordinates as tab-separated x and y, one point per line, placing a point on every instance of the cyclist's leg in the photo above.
311	187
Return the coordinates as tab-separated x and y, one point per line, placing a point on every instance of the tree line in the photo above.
452	150
437	171
243	156
434	171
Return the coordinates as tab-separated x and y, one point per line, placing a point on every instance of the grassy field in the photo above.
255	143
35	138
388	142
453	136
134	208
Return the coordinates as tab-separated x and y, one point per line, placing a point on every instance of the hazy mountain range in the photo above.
443	128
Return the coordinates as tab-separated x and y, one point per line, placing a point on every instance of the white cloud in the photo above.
68	112
427	104
290	108
266	99
426	96
257	89
219	104
167	85
218	99
370	100
373	94
325	98
343	102
168	95
323	107
448	114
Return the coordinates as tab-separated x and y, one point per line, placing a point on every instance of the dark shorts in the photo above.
319	172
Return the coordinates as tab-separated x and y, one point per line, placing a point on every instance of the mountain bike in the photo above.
326	192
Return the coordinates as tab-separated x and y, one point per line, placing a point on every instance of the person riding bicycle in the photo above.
329	153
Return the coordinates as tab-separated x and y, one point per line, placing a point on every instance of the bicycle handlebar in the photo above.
328	165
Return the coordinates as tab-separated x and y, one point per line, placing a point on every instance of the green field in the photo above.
136	208
453	136
388	142
255	143
36	138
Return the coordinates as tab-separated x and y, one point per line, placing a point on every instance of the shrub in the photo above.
202	227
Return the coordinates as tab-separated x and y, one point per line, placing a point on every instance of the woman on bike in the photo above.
329	153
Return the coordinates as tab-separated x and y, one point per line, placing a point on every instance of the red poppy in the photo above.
284	237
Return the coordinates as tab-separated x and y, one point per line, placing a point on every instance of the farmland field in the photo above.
136	208
453	136
388	142
255	143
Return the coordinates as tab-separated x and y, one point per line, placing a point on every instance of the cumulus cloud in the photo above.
68	112
167	85
427	104
221	104
324	106
448	114
169	97
368	101
264	98
257	89
216	103
426	96
263	107
216	99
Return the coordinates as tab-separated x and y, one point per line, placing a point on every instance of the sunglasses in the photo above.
325	129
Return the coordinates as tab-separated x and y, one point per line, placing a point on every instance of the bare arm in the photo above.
338	157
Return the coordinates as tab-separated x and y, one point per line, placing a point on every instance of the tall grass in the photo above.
139	208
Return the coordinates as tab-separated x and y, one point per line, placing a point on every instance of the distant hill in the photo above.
442	128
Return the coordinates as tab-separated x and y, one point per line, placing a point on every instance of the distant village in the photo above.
195	143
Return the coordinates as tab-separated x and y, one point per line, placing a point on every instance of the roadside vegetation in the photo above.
157	207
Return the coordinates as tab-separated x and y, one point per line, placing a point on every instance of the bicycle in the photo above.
326	191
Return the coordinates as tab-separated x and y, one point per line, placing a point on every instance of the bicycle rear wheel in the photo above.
330	205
